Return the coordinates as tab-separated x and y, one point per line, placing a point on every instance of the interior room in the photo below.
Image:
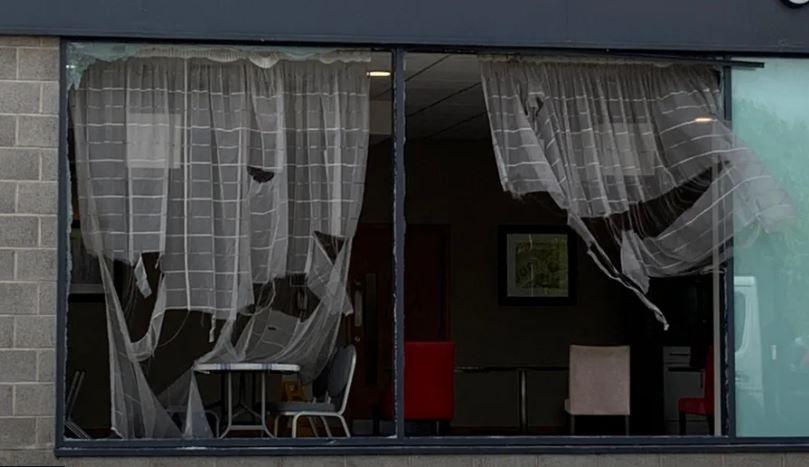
511	360
510	325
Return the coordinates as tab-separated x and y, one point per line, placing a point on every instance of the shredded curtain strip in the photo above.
651	178
244	173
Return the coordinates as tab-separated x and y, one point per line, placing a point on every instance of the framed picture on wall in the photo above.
536	265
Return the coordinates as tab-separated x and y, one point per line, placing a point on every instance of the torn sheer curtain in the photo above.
651	178
228	189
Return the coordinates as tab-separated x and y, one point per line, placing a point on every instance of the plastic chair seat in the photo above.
695	406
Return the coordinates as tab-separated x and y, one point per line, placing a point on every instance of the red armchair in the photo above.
429	382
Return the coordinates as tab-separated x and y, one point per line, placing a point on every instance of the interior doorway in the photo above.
371	329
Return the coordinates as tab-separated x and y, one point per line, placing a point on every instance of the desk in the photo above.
262	369
522	371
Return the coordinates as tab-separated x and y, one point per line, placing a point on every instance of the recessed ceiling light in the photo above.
703	119
378	74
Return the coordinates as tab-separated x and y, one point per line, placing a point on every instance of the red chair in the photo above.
702	406
429	382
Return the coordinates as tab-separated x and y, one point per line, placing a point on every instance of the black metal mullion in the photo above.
728	386
398	235
62	276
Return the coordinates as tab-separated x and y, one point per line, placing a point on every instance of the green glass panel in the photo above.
771	271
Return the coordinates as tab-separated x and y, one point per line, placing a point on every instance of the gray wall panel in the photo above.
698	25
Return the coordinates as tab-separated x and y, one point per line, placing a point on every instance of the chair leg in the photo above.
313	427
682	423
345	426
275	425
626	425
216	421
572	424
326	426
295	425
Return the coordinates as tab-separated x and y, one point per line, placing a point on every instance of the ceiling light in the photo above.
703	120
378	74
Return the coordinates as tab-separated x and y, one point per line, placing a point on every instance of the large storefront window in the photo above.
217	193
771	115
568	227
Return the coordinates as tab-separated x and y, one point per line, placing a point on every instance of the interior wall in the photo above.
456	183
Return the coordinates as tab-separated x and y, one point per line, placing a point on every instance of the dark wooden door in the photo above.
426	305
371	275
427	283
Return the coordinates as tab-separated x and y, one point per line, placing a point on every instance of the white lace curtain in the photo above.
239	173
637	154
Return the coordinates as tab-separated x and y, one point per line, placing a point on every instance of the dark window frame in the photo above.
400	443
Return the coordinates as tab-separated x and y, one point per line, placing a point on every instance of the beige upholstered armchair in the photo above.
599	383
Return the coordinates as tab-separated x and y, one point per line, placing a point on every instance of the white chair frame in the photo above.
322	415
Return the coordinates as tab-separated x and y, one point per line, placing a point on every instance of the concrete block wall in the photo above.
29	122
28	159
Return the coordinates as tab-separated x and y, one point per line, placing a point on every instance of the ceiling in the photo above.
443	99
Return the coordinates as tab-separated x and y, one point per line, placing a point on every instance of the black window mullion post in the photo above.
62	277
728	354
398	236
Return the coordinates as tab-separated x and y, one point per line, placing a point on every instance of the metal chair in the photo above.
340	376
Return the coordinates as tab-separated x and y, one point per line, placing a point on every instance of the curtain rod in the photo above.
699	60
645	56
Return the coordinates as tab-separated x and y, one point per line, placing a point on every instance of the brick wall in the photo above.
28	161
